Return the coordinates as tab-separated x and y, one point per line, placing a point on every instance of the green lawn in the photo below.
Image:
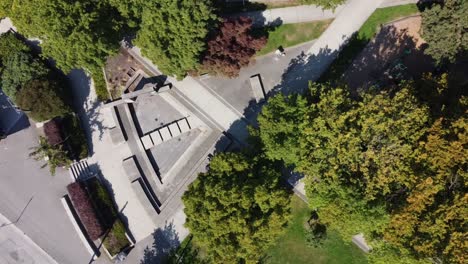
288	35
364	35
292	247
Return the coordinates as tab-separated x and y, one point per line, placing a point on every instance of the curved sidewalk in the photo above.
305	13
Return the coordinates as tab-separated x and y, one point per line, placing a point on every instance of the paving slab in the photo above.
165	134
147	142
156	137
183	125
175	131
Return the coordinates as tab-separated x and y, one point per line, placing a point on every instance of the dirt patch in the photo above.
119	70
395	54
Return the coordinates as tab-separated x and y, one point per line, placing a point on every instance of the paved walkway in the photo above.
16	247
107	157
306	13
289	15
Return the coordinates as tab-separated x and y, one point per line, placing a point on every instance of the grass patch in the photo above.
99	83
288	35
292	246
363	36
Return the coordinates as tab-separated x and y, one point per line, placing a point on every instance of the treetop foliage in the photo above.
172	33
76	34
388	164
232	47
445	28
237	208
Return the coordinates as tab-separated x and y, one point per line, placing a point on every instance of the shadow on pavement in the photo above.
165	240
86	105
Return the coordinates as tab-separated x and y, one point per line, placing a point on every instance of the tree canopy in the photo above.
74	33
444	27
18	69
42	99
232	47
237	208
391	164
172	33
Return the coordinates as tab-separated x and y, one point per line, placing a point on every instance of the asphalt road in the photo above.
30	196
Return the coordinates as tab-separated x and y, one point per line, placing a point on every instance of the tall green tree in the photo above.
444	27
238	208
18	69
172	33
75	34
279	127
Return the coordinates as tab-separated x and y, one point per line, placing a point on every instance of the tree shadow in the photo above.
86	107
165	240
302	70
391	57
224	7
12	119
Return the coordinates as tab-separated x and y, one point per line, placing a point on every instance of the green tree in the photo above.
238	208
444	27
10	45
75	34
325	4
172	33
18	69
56	156
279	127
433	221
42	99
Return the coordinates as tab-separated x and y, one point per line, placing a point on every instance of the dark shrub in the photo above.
52	132
84	208
42	99
75	136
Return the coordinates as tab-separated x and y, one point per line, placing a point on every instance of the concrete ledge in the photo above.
79	231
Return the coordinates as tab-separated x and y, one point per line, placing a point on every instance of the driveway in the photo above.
30	197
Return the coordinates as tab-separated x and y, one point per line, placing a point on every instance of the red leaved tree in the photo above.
232	47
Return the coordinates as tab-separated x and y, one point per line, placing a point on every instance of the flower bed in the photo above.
116	240
52	132
85	210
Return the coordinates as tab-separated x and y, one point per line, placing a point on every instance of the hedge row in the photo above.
84	208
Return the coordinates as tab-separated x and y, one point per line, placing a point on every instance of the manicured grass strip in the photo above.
363	36
288	35
292	246
99	83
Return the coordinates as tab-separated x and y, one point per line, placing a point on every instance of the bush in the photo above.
84	208
52	132
41	99
57	156
75	136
